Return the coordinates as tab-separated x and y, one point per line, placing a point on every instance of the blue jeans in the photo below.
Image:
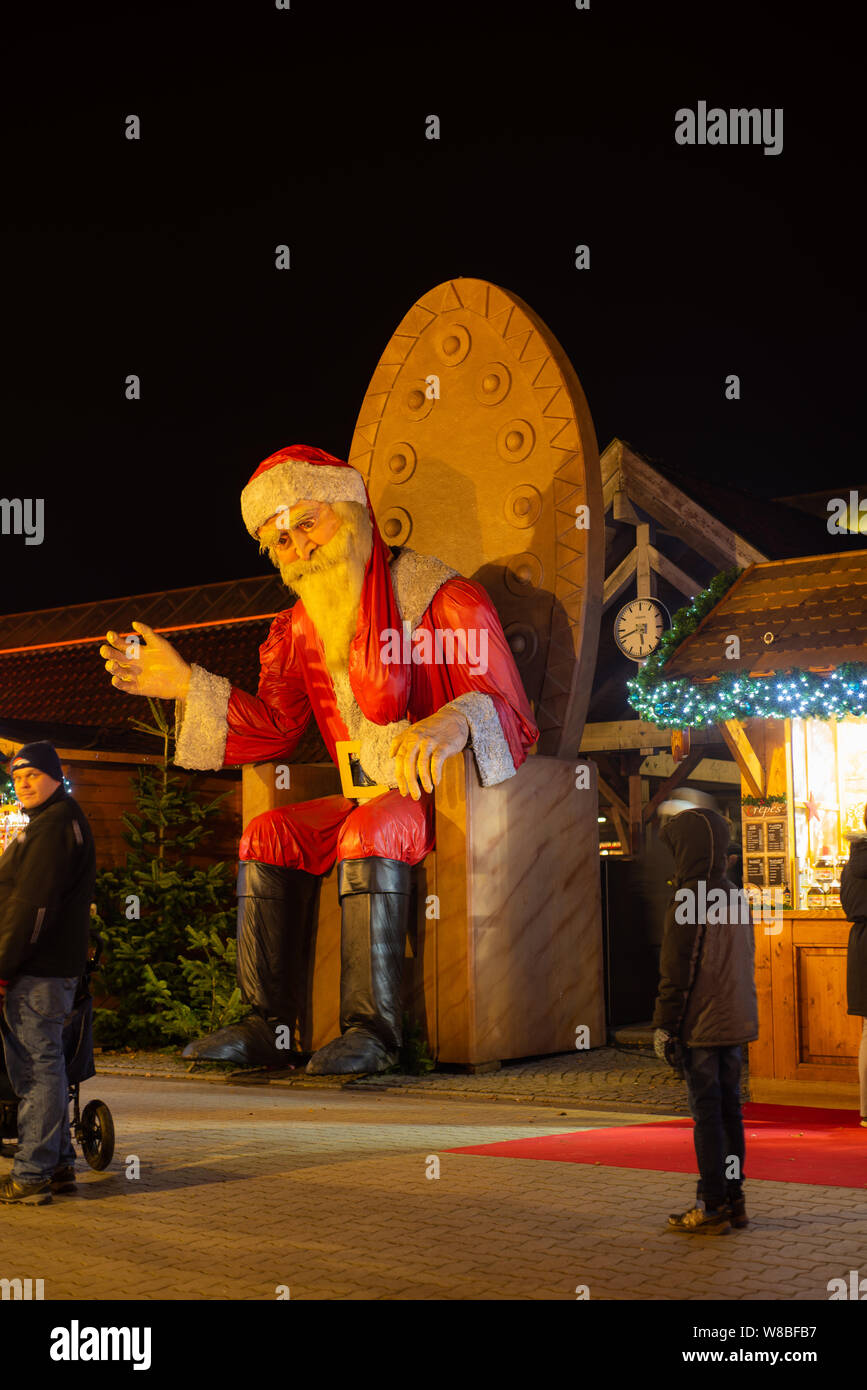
36	1009
713	1088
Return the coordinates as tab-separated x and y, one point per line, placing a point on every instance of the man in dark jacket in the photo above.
46	884
853	897
706	1009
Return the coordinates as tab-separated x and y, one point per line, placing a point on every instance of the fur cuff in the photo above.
201	723
487	740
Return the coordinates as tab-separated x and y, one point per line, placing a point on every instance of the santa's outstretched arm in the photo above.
217	724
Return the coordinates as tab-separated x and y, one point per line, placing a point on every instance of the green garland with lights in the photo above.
790	694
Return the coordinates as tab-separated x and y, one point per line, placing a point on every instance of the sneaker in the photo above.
698	1221
63	1179
32	1193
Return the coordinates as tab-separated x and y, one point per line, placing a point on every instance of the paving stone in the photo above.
247	1188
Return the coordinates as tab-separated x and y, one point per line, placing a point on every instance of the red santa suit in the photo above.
411	606
222	725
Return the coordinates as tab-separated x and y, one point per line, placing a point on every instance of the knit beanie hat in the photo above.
42	756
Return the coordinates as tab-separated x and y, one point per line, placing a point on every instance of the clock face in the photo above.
639	626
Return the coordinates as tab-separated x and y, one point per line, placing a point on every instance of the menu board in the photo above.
756	872
754	837
766	845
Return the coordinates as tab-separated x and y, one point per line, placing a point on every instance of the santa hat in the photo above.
300	472
296	473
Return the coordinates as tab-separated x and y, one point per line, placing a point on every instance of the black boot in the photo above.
374	898
276	911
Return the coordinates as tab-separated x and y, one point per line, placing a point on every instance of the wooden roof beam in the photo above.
619	578
678	513
680	774
744	755
672	574
614	735
610	460
609	796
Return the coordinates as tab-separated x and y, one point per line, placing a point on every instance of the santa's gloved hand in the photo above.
143	663
420	751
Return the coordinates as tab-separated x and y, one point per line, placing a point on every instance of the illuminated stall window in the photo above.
829	791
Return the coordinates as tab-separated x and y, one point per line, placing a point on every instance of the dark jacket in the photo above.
707	989
46	886
853	897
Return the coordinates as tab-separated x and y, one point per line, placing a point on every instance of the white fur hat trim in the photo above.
293	481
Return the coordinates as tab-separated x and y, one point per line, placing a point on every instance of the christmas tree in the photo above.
168	961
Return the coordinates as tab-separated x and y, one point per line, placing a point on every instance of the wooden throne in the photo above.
477	446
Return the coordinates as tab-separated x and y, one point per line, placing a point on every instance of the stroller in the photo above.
93	1127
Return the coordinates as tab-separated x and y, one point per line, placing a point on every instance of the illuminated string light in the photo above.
733	695
680	704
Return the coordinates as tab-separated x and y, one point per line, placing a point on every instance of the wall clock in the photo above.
639	626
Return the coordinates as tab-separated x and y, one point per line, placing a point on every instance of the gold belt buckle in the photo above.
350	790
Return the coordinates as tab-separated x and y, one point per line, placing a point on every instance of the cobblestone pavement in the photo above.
625	1078
246	1188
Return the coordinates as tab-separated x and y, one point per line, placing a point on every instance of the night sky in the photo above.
307	127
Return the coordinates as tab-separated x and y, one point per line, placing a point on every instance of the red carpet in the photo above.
785	1143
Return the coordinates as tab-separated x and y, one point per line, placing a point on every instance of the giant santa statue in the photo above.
389	648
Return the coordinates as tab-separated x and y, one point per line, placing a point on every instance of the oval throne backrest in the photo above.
477	445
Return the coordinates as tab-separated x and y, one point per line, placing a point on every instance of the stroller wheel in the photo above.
97	1134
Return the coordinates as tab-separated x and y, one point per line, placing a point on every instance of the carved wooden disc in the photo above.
477	445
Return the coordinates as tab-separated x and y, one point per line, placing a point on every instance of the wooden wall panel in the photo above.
106	792
827	1035
812	1038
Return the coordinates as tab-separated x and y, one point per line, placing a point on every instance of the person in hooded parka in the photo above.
706	1010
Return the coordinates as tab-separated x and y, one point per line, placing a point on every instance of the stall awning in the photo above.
788	638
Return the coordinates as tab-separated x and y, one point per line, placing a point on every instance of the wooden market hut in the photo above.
666	537
778	665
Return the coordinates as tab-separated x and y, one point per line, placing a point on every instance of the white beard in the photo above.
329	585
